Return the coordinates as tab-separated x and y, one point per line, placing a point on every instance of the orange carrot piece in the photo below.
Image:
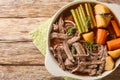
101	36
113	44
116	28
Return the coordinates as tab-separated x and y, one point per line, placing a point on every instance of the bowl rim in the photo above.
49	54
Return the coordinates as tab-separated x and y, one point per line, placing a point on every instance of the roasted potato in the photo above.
114	54
102	21
109	65
88	37
101	9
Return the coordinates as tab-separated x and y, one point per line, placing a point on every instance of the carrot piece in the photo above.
101	36
113	44
116	28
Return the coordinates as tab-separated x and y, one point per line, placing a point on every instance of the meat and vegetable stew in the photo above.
85	39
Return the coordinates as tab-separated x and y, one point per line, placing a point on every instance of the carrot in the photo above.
113	44
101	36
116	28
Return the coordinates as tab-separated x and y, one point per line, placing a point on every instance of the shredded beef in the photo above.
72	54
58	35
67	51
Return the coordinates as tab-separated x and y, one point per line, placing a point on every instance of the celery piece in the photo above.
82	20
79	19
76	20
83	17
92	16
88	14
83	12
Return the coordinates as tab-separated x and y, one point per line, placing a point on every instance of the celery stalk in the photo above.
91	13
83	17
76	20
80	21
88	14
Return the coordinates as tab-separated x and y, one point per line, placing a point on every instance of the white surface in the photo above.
52	65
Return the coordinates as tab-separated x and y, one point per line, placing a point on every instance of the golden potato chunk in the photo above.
101	9
102	21
109	65
88	37
114	54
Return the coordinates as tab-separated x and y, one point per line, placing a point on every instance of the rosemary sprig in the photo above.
90	46
70	31
106	15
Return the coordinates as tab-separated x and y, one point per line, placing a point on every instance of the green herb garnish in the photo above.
106	15
70	31
90	46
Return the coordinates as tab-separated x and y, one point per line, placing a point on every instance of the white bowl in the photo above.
50	62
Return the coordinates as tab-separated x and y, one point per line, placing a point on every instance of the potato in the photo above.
109	65
101	9
102	21
88	37
114	54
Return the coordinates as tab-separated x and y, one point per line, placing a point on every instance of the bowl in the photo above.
52	65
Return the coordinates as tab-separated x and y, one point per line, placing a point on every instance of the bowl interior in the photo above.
50	62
